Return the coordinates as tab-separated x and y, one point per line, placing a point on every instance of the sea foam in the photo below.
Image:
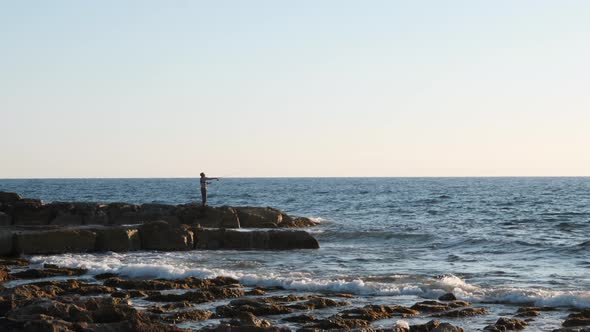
419	286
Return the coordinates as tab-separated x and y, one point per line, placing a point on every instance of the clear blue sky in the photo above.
294	88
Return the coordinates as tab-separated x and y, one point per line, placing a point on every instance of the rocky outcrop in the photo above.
54	241
6	242
15	210
117	238
507	324
159	235
581	318
256	240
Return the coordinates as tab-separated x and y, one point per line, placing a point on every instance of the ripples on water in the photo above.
492	232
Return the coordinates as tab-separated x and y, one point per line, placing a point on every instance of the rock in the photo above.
581	318
50	271
64	214
92	213
162	284
256	217
192	315
248	319
5	219
103	276
123	214
338	323
154	212
220	217
318	303
303	319
466	312
377	312
9	198
435	306
6	242
427	327
117	238
298	222
199	296
13	261
258	307
160	235
446	327
31	212
447	297
54	241
273	240
284	240
4	274
527	312
507	324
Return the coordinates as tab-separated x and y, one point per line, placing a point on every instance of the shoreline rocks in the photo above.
157	235
28	226
18	211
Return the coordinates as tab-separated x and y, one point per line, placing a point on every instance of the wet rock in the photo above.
4	274
467	312
103	276
55	241
256	292
285	240
267	240
229	328
129	294
192	315
338	323
446	327
297	222
447	297
527	312
581	318
377	312
117	239
435	326
319	303
13	261
198	296
258	307
161	284
573	329
160	235
435	306
248	319
506	324
304	319
48	271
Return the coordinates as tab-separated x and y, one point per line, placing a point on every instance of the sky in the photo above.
294	88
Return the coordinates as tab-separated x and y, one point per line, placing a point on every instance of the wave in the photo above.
395	285
373	235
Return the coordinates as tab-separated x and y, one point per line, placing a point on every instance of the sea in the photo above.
500	243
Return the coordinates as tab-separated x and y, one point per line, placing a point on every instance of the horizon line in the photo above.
302	177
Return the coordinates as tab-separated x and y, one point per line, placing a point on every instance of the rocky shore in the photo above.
70	300
29	226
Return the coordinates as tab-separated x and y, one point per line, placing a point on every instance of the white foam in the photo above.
164	265
402	324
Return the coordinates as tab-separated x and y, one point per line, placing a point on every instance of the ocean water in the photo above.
387	240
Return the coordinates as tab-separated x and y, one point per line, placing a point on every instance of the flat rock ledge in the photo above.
18	211
28	226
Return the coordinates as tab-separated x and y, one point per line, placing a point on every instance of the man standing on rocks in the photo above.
204	183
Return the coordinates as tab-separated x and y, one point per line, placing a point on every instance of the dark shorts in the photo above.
204	195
